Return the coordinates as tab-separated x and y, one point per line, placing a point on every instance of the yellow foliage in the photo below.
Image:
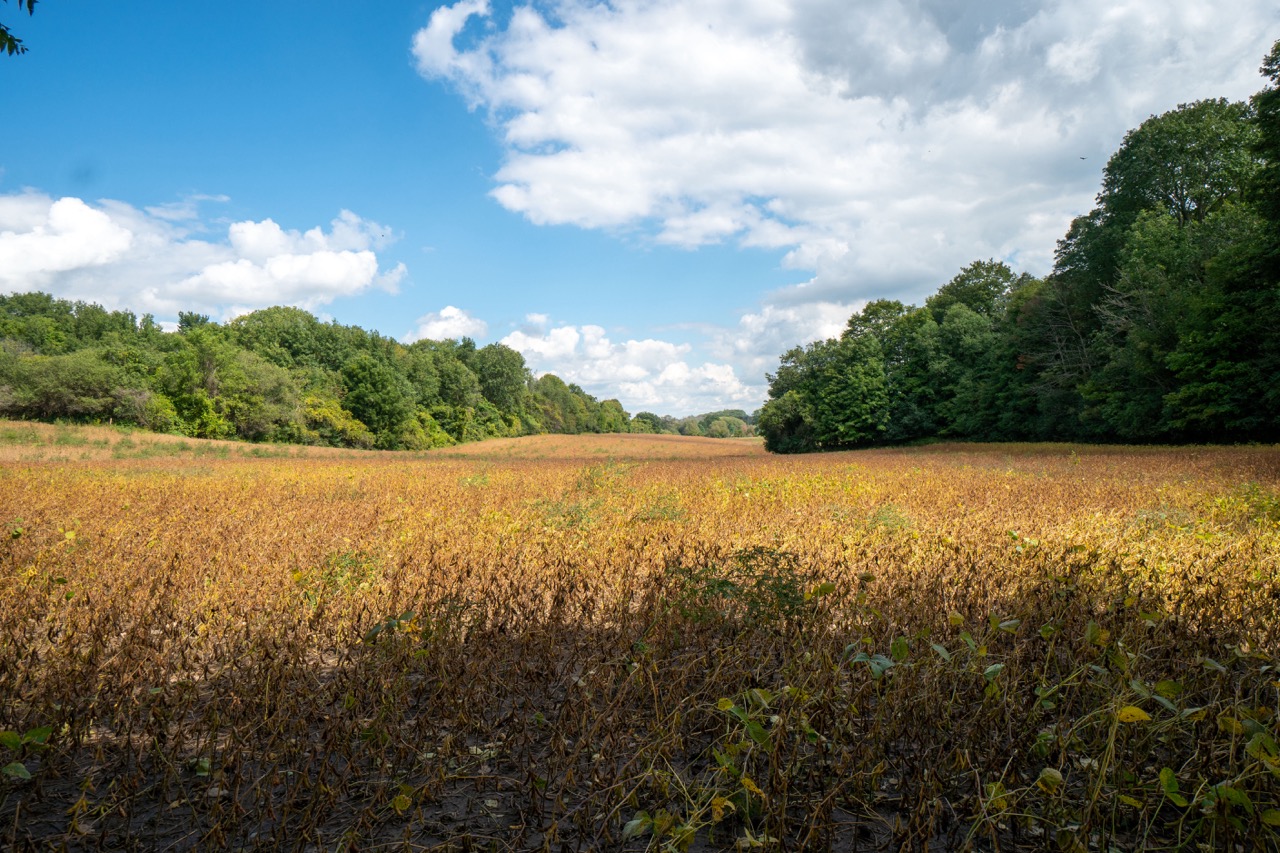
565	613
1132	714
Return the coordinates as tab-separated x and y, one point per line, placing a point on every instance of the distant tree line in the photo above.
1160	321
278	374
726	423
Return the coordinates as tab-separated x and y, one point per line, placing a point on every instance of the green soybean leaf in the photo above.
40	735
637	826
1262	746
757	733
1236	797
1169	782
1050	780
16	770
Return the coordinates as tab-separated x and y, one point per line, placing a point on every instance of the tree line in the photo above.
724	423
1159	322
282	375
278	374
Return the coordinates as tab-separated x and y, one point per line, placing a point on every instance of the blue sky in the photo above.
653	198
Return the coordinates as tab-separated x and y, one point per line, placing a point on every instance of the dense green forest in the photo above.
1160	321
280	374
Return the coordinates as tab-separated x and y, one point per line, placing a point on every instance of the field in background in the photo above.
32	441
630	642
606	445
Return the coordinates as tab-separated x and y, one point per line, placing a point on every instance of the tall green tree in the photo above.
907	338
1105	317
786	423
1185	163
612	417
380	398
1263	299
191	378
966	341
285	336
503	377
982	287
828	395
646	422
1224	360
219	390
419	364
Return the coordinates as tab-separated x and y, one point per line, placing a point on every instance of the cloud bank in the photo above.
643	374
882	144
161	260
878	147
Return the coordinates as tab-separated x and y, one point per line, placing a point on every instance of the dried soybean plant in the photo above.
562	645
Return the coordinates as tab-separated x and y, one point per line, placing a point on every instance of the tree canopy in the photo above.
278	374
9	43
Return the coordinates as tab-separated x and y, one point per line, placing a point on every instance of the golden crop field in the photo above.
631	643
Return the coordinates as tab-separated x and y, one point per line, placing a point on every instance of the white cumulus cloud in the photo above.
882	145
163	259
760	337
554	345
643	374
40	241
447	323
